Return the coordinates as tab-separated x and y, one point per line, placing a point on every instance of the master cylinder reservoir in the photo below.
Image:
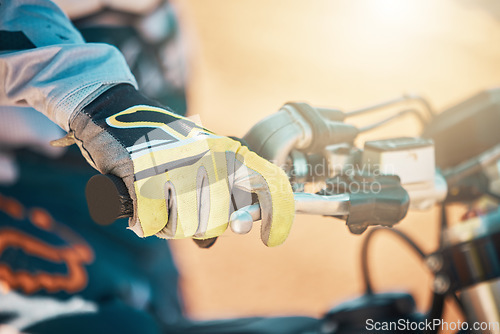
412	159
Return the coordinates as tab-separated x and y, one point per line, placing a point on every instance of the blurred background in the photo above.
248	57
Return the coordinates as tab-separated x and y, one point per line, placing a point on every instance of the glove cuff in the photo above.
101	145
116	99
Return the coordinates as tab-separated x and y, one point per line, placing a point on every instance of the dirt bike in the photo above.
456	159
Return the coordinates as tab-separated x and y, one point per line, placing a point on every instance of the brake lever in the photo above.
241	221
385	207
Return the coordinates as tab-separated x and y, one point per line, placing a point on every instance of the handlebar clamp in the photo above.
376	200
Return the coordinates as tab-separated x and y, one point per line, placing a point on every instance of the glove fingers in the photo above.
215	209
198	209
241	191
171	200
241	198
274	192
251	180
152	209
203	201
177	205
205	243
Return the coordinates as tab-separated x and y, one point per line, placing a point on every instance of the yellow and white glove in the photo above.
184	180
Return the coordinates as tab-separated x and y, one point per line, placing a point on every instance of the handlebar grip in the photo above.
108	199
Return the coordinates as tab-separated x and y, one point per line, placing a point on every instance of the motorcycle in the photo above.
455	160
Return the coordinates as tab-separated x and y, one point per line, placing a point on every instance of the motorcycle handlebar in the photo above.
108	200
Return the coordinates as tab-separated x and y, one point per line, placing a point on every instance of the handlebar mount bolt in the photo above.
441	284
434	263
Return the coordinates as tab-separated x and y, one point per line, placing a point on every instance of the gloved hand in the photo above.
180	176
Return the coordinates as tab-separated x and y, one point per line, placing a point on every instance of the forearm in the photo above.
45	63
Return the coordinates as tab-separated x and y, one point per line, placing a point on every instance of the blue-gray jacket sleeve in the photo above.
46	64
